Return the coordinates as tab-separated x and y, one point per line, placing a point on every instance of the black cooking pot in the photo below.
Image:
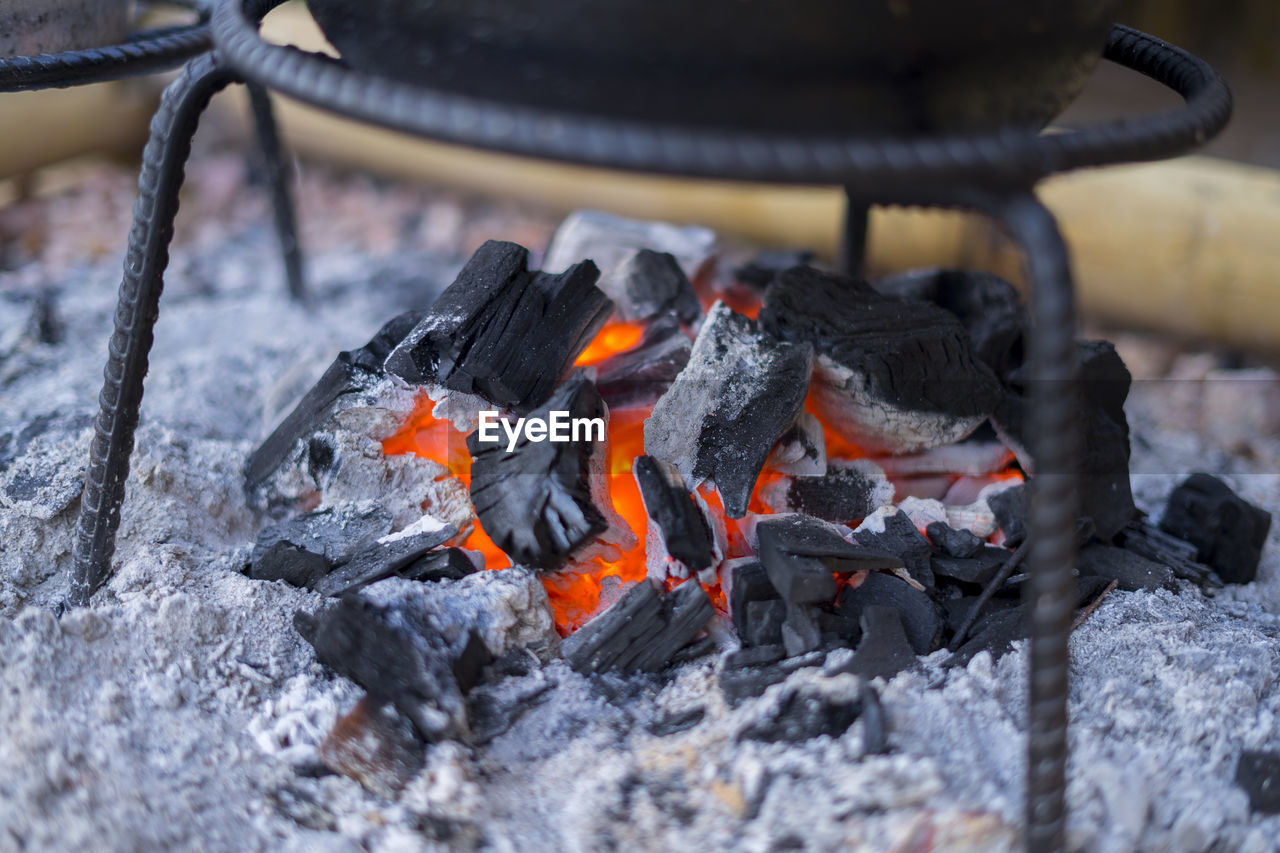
839	66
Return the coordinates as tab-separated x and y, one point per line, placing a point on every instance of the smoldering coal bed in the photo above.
804	472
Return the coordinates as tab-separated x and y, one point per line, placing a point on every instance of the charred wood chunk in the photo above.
536	502
1127	569
1160	547
978	569
805	713
1258	775
385	557
898	375
439	565
802	555
411	670
336	533
295	565
1010	509
919	615
685	531
848	491
377	746
503	332
801	628
995	633
1227	531
989	307
884	650
649	284
351	372
686	611
642	374
901	537
1103	471
754	656
755	607
740	392
950	542
642	631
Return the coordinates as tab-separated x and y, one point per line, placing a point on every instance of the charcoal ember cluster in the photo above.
741	391
893	374
639	376
684	538
846	492
543	502
503	332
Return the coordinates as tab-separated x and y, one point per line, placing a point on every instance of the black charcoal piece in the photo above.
994	633
536	501
1228	531
988	306
950	542
1127	569
685	530
377	746
635	617
1159	547
800	632
754	656
956	610
699	648
411	670
686	611
978	569
739	393
1010	509
759	272
802	554
920	619
439	565
845	493
754	605
900	372
290	563
1258	775
469	665
639	376
900	537
383	558
649	284
804	714
761	622
884	650
351	372
680	721
336	533
502	331
747	682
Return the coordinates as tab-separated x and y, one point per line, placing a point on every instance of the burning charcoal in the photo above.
611	240
503	332
1228	532
884	650
1010	508
649	284
599	644
287	562
678	722
686	612
760	271
848	491
377	746
741	391
1160	547
412	670
892	374
951	542
1258	775
642	374
901	537
1130	571
801	556
683	529
386	556
802	450
919	616
544	501
441	564
806	711
754	605
989	307
1105	494
336	533
969	459
352	372
978	569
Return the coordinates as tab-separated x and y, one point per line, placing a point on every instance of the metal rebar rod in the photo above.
277	177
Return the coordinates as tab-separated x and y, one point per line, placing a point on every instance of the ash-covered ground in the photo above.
182	710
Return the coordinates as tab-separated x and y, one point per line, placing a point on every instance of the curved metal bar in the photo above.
1009	158
277	177
143	53
162	174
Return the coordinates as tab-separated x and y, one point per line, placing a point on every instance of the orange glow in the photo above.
611	340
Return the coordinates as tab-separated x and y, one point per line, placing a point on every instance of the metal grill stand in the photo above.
991	173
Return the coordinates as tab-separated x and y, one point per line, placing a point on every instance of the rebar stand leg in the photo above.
853	234
277	175
1055	445
136	310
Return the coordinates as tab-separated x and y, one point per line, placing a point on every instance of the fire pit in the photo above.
813	581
